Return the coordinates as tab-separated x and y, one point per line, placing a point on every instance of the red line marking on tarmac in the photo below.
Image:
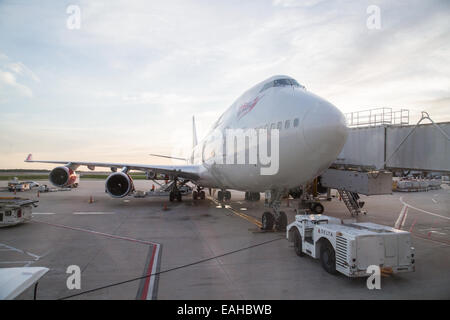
98	233
429	239
412	226
152	260
148	274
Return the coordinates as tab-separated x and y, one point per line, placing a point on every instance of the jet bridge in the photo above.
382	139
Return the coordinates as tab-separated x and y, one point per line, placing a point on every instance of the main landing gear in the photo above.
175	192
198	194
277	218
223	195
252	196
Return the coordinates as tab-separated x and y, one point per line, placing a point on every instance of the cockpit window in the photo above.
281	83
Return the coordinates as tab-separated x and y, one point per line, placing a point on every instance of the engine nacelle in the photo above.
62	177
119	185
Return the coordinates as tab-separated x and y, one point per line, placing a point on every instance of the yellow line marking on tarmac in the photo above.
240	214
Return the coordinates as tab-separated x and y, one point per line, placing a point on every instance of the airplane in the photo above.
310	135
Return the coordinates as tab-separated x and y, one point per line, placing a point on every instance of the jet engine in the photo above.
119	185
62	177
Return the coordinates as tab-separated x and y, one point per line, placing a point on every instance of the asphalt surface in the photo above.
116	240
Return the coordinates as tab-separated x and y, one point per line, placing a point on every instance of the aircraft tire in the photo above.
328	257
297	239
267	221
281	222
318	208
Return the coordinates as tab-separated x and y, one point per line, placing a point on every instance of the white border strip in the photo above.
421	210
91	212
151	285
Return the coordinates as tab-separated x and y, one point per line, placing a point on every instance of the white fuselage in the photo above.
308	144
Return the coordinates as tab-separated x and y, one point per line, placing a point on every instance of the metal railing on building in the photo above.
377	117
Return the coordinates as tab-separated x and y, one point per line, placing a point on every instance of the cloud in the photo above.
296	3
8	79
134	67
20	69
9	74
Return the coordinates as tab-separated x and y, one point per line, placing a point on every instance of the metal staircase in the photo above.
167	186
351	204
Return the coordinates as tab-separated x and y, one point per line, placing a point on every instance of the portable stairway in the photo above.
351	204
348	182
167	186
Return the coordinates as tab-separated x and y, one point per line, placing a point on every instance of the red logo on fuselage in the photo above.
247	107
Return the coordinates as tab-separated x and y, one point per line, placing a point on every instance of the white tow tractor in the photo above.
350	247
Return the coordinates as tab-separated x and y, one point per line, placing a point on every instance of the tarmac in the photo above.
132	248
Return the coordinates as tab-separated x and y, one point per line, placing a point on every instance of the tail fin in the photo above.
194	133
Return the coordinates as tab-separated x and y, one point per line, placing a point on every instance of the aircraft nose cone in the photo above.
325	129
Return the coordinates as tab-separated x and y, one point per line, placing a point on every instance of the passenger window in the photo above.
287	124
296	122
279	125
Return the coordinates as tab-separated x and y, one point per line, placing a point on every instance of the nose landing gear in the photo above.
277	219
252	196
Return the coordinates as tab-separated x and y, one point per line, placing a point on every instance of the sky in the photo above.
127	82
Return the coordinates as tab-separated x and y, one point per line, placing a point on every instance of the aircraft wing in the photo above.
14	281
183	171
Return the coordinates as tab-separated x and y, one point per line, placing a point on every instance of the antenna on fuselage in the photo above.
194	133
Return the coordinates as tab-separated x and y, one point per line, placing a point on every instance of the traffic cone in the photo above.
165	207
91	200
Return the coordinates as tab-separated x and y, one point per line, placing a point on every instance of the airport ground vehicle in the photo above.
16	185
350	247
14	210
14	281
